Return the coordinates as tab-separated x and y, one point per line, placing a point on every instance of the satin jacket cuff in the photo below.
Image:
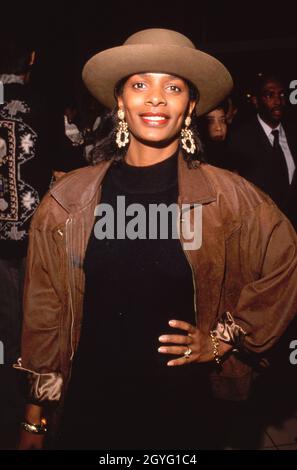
228	331
42	387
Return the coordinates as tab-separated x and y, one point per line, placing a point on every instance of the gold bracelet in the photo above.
215	344
35	428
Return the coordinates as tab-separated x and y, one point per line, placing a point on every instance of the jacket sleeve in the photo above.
42	311
268	301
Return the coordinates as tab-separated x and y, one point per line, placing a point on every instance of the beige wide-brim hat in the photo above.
162	51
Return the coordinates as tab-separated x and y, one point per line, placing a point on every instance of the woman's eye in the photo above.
139	85
174	88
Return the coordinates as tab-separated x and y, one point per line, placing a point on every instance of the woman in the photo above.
217	124
214	130
139	317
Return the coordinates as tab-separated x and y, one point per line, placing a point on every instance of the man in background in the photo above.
264	149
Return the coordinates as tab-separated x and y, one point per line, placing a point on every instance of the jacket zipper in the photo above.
69	255
192	270
70	273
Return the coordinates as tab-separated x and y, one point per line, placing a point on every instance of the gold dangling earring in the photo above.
187	138
122	135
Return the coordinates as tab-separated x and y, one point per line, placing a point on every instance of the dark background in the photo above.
249	38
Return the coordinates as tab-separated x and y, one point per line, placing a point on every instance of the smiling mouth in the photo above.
154	119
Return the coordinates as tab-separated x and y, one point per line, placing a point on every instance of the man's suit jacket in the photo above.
252	155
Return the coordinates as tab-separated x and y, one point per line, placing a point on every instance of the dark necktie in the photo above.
280	159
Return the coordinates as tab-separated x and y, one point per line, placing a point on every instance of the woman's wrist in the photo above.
34	421
215	347
218	348
35	428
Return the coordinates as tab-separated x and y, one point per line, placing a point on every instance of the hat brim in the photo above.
104	70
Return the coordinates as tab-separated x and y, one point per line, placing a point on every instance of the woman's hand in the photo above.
200	344
30	441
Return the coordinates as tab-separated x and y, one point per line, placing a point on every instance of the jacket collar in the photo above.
77	189
193	184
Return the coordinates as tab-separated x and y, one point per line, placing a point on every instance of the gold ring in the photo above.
188	353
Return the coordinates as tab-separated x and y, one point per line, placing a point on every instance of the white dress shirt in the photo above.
283	143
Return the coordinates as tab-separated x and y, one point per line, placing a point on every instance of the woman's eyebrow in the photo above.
174	77
168	76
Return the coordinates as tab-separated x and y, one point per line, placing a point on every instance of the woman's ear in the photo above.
192	106
120	102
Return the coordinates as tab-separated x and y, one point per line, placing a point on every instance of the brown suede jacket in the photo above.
247	264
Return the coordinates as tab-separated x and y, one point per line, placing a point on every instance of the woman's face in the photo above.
216	124
155	106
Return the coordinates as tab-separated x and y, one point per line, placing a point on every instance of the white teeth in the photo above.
154	118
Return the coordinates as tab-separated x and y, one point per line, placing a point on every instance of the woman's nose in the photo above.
156	98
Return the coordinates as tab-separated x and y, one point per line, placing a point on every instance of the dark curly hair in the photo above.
105	136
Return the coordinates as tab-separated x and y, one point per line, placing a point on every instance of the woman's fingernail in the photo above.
161	349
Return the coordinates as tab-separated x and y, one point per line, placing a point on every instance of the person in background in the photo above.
214	129
70	142
217	123
264	149
25	176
